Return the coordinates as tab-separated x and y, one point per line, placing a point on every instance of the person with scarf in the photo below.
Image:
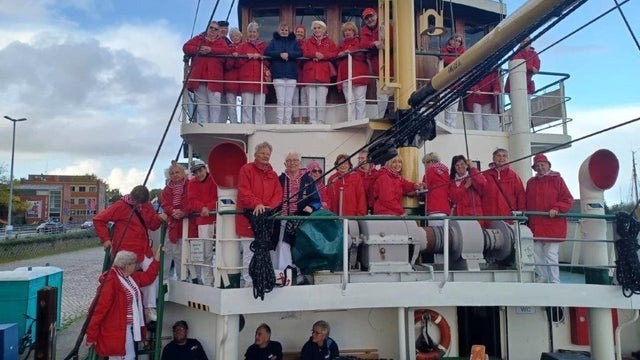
231	76
283	51
299	197
320	346
315	171
436	181
320	49
203	199
300	100
251	74
389	188
504	192
117	321
466	188
547	192
345	190
207	71
450	53
175	204
356	96
132	217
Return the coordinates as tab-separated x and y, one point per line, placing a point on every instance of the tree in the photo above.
155	193
112	195
18	205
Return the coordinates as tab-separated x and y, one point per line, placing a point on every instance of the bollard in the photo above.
46	323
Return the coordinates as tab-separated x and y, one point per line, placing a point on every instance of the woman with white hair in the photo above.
252	68
320	49
231	84
117	320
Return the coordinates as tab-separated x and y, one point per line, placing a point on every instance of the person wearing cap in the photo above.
300	99
504	192
224	30
203	199
251	74
317	71
283	51
117	321
372	38
258	190
263	347
547	192
182	347
224	103
436	182
132	217
355	96
206	72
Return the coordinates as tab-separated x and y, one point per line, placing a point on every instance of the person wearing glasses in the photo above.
203	199
450	53
207	68
315	170
320	346
251	73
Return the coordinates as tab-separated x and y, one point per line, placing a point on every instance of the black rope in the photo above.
261	267
627	263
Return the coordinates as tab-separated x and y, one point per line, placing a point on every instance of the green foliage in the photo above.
622	207
155	193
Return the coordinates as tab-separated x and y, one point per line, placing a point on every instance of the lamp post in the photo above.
9	229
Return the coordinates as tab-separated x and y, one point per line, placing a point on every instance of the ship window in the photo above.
307	15
473	33
354	15
268	19
439	42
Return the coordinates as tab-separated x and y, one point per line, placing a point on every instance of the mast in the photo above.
635	177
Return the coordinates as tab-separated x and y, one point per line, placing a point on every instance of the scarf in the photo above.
134	302
292	187
177	189
459	179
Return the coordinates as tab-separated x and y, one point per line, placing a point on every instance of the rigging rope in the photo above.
626	22
627	263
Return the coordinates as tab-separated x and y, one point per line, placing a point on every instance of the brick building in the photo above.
68	198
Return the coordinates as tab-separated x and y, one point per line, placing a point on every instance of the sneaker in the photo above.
541	279
150	314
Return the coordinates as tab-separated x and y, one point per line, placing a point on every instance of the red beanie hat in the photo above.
540	158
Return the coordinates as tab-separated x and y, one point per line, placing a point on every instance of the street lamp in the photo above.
9	229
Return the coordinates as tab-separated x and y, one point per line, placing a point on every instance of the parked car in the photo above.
87	225
50	227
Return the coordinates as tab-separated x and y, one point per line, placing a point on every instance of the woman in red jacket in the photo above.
504	192
450	53
345	190
320	49
532	62
117	320
209	68
251	68
465	188
389	188
482	101
547	192
231	84
356	96
300	100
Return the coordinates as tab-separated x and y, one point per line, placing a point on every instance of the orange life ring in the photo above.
445	334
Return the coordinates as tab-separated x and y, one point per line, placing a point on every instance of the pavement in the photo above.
79	282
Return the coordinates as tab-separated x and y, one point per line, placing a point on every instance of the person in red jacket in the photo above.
436	181
231	77
532	62
132	216
389	187
206	66
450	53
466	188
251	68
175	204
117	320
300	100
316	72
483	101
372	38
345	190
369	174
203	199
504	192
258	189
547	192
356	96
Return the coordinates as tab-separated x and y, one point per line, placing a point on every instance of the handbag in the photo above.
266	73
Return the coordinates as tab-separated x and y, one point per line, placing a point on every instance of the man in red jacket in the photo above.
547	192
371	37
258	189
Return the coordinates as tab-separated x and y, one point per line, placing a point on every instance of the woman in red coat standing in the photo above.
482	101
251	68
389	187
320	49
356	96
547	192
208	67
231	84
504	192
532	62
117	320
466	188
345	190
450	53
300	100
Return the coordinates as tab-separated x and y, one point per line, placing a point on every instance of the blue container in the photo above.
19	295
9	341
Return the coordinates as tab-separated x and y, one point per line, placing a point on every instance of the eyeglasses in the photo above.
316	171
292	160
213	28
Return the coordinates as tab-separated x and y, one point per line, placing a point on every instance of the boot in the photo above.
295	120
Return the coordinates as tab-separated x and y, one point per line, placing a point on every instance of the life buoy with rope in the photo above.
426	349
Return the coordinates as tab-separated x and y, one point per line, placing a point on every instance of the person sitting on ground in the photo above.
320	346
389	188
182	347
264	348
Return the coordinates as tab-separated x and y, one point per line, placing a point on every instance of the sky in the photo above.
98	80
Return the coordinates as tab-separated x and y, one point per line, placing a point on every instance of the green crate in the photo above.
19	294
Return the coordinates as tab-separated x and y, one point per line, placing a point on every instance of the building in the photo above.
67	198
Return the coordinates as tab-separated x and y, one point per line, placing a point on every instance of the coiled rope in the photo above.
627	262
261	267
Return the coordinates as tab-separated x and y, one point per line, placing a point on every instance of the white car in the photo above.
87	225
